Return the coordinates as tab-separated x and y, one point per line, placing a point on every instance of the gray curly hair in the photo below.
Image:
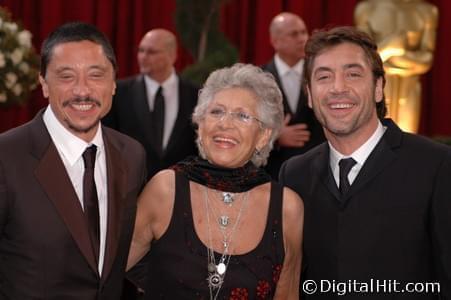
259	83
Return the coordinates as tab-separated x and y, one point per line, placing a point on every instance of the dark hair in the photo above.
324	39
75	32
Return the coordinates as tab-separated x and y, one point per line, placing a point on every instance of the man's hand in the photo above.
293	135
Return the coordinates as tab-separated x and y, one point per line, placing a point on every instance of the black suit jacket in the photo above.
45	251
304	114
394	223
130	115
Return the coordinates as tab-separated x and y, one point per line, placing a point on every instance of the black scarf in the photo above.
236	180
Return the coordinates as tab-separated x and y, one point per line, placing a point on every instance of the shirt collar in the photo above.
68	144
283	68
169	84
361	154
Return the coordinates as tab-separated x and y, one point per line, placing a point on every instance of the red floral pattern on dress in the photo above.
263	289
276	270
239	294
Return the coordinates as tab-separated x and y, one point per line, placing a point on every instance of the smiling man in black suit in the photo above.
377	199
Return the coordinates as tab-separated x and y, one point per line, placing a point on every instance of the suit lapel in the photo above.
143	113
302	101
138	97
180	122
53	177
271	67
381	157
325	173
116	174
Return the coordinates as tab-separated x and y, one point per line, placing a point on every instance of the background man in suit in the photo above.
377	199
301	131
68	186
165	131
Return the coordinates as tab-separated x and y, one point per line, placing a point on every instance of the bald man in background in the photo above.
301	130
168	136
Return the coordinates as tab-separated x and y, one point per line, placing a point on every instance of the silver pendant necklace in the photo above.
227	198
217	272
223	221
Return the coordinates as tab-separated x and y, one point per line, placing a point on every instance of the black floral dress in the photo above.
177	266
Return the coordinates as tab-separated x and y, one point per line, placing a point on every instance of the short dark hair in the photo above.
324	39
75	32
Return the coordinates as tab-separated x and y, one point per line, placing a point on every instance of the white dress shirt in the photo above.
70	149
291	78
171	104
360	155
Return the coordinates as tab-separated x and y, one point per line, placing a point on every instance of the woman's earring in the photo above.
200	147
257	152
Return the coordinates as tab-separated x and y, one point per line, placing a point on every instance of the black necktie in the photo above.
158	119
346	165
90	201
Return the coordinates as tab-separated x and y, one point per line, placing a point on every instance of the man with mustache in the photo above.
377	199
68	185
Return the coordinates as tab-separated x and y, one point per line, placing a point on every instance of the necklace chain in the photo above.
226	237
223	219
216	272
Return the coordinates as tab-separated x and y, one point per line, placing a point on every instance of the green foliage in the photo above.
198	27
217	58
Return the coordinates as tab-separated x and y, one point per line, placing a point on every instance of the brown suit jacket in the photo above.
45	251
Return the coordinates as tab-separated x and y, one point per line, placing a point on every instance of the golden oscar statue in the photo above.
405	32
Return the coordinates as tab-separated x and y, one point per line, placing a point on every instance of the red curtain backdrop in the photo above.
245	23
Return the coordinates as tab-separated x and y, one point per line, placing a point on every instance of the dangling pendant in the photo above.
223	221
211	267
214	280
221	268
227	198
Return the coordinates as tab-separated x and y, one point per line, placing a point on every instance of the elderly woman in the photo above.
215	225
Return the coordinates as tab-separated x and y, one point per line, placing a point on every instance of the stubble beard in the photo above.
343	128
82	129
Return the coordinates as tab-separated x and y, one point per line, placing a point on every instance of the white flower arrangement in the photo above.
19	63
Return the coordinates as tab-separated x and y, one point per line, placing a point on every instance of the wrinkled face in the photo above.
342	91
79	84
230	131
289	42
154	56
